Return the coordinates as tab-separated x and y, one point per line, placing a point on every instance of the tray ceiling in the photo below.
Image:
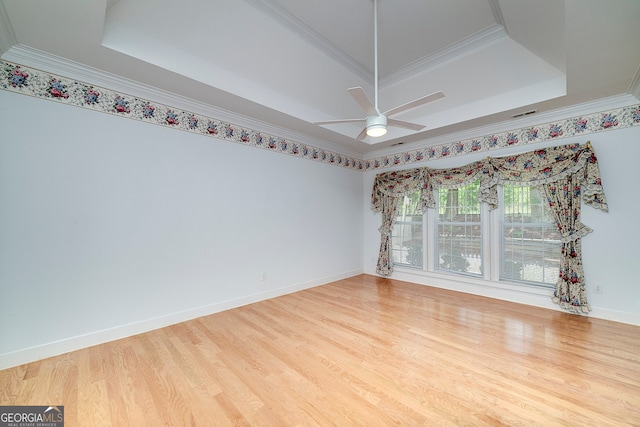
288	63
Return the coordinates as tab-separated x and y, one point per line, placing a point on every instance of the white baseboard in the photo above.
521	294
43	351
530	296
615	316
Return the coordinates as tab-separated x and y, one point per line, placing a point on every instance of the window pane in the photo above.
530	239
406	236
459	241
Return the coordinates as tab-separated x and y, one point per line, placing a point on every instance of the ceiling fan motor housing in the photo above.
379	120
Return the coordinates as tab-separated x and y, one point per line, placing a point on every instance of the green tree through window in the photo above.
530	239
459	230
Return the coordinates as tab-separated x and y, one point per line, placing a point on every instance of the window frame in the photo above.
411	223
500	230
436	235
491	251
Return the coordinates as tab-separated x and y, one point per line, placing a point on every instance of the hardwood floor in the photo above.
362	351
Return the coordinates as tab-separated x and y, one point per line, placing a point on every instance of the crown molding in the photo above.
53	64
70	69
607	114
610	114
290	21
7	36
465	46
497	14
605	104
517	126
472	43
634	87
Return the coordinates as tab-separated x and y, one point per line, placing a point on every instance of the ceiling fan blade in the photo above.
403	124
362	135
363	101
416	103
330	122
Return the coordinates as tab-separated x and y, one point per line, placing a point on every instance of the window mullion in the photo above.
429	237
495	239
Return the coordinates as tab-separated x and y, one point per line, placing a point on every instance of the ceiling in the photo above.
288	63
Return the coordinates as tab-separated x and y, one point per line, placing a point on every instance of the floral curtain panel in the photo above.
563	198
565	174
388	191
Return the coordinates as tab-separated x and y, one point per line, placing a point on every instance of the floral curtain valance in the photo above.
528	169
398	184
564	173
459	177
549	165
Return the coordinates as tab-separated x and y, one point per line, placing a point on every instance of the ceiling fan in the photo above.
375	122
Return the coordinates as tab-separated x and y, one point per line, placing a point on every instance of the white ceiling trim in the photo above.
556	130
634	87
289	20
43	61
76	93
497	13
470	44
614	103
248	63
25	80
453	52
7	36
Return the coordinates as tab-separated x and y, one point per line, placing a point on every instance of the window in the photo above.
459	230
530	240
406	236
518	242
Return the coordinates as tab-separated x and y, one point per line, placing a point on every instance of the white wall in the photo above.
610	253
110	227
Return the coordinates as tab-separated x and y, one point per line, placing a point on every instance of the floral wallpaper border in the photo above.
620	118
20	79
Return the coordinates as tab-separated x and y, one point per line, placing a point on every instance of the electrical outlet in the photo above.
598	289
264	276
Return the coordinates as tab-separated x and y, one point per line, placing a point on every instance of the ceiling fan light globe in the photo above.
376	130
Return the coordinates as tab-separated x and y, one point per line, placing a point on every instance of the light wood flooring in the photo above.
364	351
